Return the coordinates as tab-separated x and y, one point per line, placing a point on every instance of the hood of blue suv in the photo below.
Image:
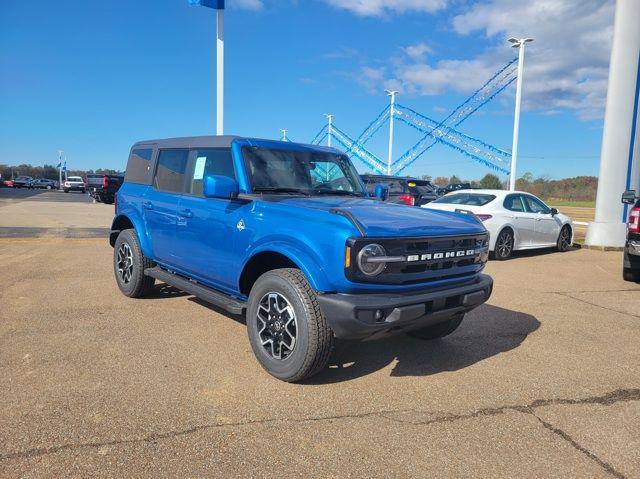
380	219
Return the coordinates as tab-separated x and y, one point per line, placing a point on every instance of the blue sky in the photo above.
91	78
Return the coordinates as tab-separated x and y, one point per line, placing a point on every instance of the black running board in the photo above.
232	305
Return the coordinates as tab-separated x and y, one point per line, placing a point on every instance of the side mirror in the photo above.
629	197
554	211
220	187
382	192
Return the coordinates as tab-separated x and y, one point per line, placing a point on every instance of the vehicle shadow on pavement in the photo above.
164	291
485	332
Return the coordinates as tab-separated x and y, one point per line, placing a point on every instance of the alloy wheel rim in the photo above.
124	263
564	238
277	325
504	244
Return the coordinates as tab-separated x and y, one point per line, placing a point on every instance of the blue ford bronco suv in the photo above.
287	235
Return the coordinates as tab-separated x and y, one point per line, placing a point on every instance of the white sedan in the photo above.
515	220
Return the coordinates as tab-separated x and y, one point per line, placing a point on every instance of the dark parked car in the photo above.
44	184
453	187
103	188
22	182
631	264
403	190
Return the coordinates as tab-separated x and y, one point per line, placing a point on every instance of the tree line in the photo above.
578	188
47	171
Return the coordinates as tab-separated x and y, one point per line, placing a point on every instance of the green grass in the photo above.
578	204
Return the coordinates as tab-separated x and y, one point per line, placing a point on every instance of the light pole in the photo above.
329	127
218	5
519	44
284	134
392	94
60	152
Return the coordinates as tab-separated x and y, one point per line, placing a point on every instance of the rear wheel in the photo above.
439	330
504	244
564	239
129	264
288	333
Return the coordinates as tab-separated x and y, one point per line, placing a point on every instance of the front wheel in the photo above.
631	274
129	264
564	239
438	330
288	333
504	244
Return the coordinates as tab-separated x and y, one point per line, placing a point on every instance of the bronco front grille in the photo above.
423	259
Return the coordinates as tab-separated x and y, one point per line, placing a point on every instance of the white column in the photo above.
392	94
618	139
516	116
220	72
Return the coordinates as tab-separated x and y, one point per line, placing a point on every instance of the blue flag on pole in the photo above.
64	167
217	4
59	165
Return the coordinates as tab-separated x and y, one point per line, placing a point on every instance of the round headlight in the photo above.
369	251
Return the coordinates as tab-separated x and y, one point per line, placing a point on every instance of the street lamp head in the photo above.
516	42
391	92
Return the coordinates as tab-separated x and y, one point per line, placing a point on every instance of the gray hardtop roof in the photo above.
223	141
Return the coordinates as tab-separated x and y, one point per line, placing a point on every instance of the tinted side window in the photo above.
139	166
513	203
395	186
534	205
170	173
214	162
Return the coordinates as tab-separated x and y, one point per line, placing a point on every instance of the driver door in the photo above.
547	226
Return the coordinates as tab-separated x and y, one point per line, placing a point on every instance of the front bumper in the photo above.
370	316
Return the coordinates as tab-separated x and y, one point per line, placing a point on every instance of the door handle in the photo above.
147	205
186	213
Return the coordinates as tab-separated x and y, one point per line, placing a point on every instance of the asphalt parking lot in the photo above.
543	381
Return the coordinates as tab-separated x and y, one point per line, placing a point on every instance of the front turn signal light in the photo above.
347	257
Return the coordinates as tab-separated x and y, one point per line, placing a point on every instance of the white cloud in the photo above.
374	8
247	4
417	52
566	67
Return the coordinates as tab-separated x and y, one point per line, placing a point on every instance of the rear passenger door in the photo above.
207	227
160	203
524	222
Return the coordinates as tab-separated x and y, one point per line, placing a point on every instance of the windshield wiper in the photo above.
269	189
337	193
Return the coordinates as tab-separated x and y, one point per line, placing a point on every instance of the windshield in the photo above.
301	172
74	178
470	199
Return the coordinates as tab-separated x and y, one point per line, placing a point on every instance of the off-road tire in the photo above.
314	339
438	330
563	244
139	285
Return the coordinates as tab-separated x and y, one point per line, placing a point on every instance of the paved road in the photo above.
33	213
541	382
8	195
